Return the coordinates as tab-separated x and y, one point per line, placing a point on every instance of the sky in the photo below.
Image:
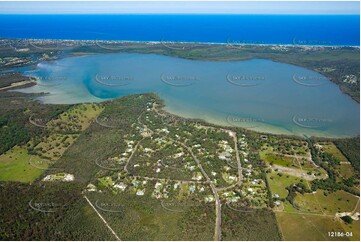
202	7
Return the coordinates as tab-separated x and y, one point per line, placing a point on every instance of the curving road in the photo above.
217	230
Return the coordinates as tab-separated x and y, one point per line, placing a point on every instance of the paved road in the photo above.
217	230
240	175
239	165
131	156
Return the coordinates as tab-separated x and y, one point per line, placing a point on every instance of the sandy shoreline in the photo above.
187	42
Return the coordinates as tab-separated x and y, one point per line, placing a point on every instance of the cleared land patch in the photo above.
331	203
15	166
28	162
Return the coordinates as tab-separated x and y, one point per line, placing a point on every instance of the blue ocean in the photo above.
244	29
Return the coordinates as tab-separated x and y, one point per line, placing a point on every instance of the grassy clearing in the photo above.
354	227
64	130
14	165
278	184
278	159
331	148
55	145
346	170
78	118
331	203
351	149
19	164
288	207
308	227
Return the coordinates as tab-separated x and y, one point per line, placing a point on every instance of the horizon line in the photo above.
215	13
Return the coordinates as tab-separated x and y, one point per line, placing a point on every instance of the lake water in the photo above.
261	95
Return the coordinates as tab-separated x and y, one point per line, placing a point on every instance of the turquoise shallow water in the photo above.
261	95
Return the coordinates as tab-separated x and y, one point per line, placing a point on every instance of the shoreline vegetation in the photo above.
162	40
